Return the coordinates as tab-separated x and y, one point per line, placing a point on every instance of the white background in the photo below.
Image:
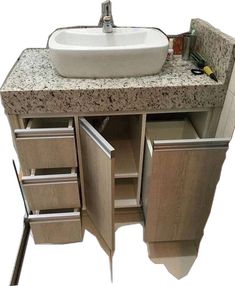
25	23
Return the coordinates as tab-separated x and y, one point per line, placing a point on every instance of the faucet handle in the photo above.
107	18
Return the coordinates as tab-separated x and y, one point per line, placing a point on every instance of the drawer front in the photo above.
56	230
56	195
182	184
47	152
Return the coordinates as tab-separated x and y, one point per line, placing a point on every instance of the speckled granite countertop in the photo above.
33	86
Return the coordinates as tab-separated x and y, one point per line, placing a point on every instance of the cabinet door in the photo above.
183	178
98	168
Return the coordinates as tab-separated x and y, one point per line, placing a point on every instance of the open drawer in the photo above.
181	172
56	228
47	143
179	134
51	189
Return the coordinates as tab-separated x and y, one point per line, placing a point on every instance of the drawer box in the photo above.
51	189
56	228
47	143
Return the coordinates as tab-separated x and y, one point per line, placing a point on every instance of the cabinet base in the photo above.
123	216
177	256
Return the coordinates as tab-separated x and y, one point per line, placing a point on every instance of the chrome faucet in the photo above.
106	19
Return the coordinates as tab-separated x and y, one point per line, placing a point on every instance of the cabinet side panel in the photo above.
227	119
147	175
138	124
80	164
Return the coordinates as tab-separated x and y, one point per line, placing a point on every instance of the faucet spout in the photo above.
106	19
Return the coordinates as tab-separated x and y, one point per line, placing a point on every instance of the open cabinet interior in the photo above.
53	122
182	125
126	135
173	130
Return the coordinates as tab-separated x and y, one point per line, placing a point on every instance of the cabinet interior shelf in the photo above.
125	165
126	193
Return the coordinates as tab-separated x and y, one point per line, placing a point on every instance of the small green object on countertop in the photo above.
201	63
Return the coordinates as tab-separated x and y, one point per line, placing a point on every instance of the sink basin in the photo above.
91	53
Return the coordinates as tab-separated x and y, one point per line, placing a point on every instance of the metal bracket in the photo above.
24	239
21	253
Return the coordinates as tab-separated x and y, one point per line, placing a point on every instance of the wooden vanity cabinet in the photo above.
181	172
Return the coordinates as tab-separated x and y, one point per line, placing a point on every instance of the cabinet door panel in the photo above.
181	190
98	168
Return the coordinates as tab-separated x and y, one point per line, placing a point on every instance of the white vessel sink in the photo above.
91	53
